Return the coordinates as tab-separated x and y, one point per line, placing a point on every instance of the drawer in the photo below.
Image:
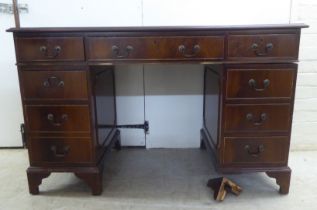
50	49
284	46
53	84
59	118
153	48
255	117
62	150
251	151
260	83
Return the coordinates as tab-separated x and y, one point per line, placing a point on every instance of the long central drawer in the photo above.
154	48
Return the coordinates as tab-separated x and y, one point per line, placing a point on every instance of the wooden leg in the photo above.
35	179
283	178
202	145
93	180
117	144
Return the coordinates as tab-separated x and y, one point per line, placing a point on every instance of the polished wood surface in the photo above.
103	89
159	28
252	151
54	85
68	93
155	48
50	49
265	82
259	46
257	117
60	150
57	118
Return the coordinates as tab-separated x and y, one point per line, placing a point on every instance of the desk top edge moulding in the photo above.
66	78
157	28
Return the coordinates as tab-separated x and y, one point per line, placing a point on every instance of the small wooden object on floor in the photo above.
221	186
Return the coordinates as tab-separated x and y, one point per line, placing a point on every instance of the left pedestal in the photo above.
92	176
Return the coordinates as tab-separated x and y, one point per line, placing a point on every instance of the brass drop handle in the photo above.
116	51
56	51
263	118
267	49
53	82
195	50
55	122
60	153
256	153
253	84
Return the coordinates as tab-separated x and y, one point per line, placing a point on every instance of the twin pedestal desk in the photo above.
67	87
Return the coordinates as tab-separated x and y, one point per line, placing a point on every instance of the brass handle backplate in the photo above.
53	82
116	51
264	52
57	122
254	86
257	122
60	153
55	52
255	153
195	50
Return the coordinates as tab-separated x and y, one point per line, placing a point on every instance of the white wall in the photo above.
10	100
164	110
304	134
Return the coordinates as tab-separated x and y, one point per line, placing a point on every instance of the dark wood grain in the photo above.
278	117
283	179
158	28
283	46
29	49
103	88
35	179
155	48
60	150
275	151
77	118
281	83
212	94
53	85
70	72
93	180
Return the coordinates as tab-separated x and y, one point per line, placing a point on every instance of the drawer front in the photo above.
154	48
63	118
50	49
260	83
265	118
63	150
251	151
54	84
284	46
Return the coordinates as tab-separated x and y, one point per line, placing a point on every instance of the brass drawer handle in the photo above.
60	154
56	51
259	150
263	118
53	82
51	118
195	51
267	49
116	51
253	84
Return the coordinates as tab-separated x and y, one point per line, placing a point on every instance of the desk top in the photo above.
158	28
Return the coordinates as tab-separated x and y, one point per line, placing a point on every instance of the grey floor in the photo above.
156	179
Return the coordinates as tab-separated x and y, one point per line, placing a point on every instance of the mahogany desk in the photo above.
67	87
